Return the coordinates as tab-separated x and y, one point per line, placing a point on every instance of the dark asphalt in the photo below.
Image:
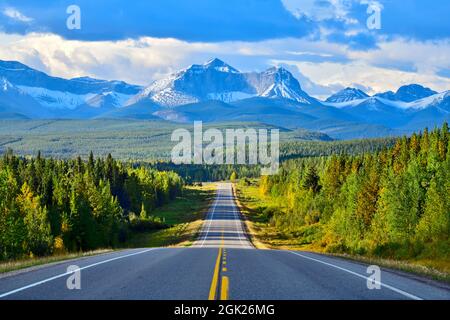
188	273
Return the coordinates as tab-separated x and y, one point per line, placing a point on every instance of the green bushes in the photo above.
139	224
144	222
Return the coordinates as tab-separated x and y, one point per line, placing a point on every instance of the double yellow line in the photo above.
224	283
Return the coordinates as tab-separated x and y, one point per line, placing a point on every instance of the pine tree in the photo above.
434	225
311	180
83	228
368	196
91	164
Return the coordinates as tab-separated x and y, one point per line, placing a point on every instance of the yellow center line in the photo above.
224	283
215	279
224	289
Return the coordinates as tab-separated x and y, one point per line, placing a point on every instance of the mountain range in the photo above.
217	92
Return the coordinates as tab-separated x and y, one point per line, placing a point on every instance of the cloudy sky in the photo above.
325	43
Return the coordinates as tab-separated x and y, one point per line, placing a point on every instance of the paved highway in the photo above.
223	226
222	264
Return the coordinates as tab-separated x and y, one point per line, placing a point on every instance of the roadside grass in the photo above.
184	215
252	205
266	236
433	269
37	261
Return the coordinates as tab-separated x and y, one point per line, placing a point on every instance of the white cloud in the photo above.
427	57
320	10
324	66
376	79
312	88
16	15
310	9
310	53
395	63
136	61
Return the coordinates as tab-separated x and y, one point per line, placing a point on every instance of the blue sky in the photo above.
326	43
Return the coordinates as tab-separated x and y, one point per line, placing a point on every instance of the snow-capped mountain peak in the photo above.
437	100
282	84
347	94
29	93
216	80
440	101
413	92
193	84
213	65
219	65
186	95
58	93
408	93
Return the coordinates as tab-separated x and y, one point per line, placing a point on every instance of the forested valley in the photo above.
50	206
192	173
389	199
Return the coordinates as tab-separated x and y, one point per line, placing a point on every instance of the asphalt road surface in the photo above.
222	264
223	226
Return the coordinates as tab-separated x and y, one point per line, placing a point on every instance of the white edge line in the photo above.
238	215
404	293
238	222
68	273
